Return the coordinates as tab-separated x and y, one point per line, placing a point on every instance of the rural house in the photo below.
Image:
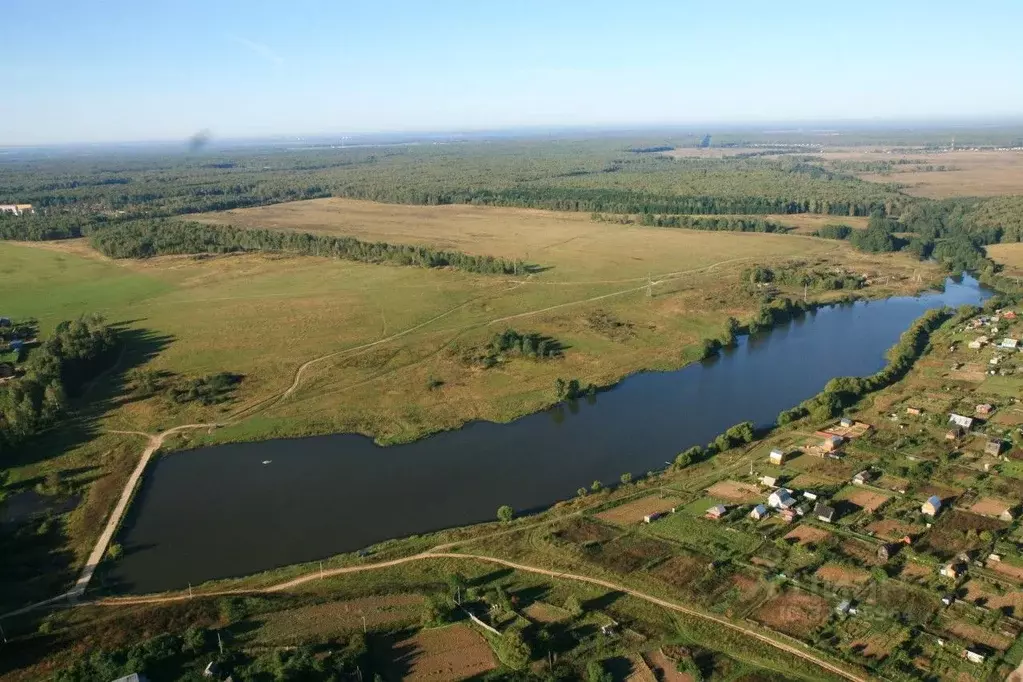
846	422
824	513
776	457
716	512
863	477
985	409
961	421
1010	343
953	569
975	345
780	499
759	512
932	506
993	447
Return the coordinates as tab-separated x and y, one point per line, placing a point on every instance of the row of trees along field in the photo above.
76	352
148	238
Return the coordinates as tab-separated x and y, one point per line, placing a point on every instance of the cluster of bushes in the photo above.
147	238
833	231
512	343
742	433
170	656
572	389
74	353
798	275
841	392
208	390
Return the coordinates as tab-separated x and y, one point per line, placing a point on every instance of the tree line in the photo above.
148	238
76	352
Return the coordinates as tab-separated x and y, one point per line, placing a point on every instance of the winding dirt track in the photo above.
436	554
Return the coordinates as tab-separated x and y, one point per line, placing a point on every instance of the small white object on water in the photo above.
267	461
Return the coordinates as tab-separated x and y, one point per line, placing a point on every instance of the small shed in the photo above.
960	420
759	512
955	433
845	422
1011	344
974	656
650	518
776	457
843	608
932	506
716	512
985	409
824	512
914	411
993	447
948	599
975	345
887	550
863	477
769	481
807	495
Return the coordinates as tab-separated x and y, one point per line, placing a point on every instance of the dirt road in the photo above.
801	652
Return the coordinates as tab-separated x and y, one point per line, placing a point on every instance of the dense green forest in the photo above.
76	352
147	238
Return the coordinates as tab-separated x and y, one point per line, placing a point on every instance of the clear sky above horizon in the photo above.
127	70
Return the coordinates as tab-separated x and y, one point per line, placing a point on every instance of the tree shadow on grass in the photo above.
37	562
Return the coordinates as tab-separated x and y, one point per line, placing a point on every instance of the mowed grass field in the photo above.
1009	255
379	334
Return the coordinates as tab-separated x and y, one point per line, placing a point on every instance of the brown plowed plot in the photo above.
915	572
338	617
943	491
865	499
680	571
842	576
806	535
951	532
980	593
628	553
891	529
860	550
794	613
811	481
665	669
895	483
877	647
1007	569
456	652
978	634
581	531
734	491
540	612
633	512
989	506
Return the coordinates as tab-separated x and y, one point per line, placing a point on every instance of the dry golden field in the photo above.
985	173
1009	255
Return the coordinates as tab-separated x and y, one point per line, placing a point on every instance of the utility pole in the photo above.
649	286
805	285
321	570
189	590
3	635
363	623
220	643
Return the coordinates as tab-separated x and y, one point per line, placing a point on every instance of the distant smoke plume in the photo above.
198	141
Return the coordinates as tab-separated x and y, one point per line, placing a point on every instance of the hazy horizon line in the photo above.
804	126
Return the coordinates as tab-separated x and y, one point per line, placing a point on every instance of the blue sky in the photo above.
85	70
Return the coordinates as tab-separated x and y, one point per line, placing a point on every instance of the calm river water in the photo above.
219	512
